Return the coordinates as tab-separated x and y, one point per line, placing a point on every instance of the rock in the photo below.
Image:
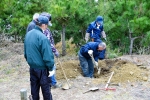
131	73
145	78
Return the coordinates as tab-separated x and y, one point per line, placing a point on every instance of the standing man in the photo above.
40	58
85	52
95	32
32	24
49	35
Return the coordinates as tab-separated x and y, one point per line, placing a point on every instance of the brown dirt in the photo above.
124	71
132	72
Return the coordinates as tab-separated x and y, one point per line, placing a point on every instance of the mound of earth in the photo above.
124	71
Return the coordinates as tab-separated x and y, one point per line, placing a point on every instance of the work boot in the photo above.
56	86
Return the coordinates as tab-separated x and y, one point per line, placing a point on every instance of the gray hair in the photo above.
102	44
35	16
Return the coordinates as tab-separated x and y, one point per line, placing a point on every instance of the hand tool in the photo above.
96	89
108	82
66	86
98	68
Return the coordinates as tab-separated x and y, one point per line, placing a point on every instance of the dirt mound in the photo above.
124	71
71	69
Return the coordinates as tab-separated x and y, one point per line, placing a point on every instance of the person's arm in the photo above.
48	56
51	40
104	35
87	35
88	32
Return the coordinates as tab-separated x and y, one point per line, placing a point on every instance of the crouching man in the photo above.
86	52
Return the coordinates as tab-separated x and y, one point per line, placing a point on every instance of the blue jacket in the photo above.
95	32
37	50
31	26
90	46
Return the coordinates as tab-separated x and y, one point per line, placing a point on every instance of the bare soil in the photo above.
131	74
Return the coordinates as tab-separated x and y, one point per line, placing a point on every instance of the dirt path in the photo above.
131	72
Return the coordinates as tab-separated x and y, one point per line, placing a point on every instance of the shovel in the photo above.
92	89
64	86
98	68
106	87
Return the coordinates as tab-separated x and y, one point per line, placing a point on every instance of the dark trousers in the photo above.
39	78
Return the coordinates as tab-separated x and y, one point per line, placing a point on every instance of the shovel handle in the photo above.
109	80
63	72
106	89
110	89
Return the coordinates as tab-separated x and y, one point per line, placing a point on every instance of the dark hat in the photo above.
47	15
43	20
99	19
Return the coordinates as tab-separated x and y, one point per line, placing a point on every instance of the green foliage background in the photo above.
121	17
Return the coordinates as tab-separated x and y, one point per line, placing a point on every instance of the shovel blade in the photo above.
66	86
99	71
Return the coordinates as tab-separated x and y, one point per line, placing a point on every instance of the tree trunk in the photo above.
131	46
63	40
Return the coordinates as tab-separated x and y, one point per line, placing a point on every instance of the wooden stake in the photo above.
23	93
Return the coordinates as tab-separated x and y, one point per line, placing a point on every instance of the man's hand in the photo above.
87	37
51	73
103	34
57	54
90	52
96	63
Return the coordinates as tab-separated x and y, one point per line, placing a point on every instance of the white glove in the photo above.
90	52
87	37
96	63
103	34
51	73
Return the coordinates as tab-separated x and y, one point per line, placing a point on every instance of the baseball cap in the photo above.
99	19
48	16
43	20
35	16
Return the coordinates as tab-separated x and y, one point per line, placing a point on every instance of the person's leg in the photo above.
91	68
35	84
84	65
45	85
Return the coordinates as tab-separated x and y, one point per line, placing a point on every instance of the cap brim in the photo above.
49	24
101	22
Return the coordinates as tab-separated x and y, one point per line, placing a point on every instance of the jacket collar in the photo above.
38	28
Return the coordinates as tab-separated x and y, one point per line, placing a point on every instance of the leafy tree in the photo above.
73	17
130	23
18	13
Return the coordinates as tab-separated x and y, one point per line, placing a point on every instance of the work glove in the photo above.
90	52
104	35
56	53
105	39
96	63
87	37
51	73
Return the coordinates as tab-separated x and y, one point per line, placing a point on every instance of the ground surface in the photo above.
131	73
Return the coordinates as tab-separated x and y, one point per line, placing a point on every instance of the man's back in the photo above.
37	49
31	26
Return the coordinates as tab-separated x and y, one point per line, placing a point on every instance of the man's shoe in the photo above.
56	86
